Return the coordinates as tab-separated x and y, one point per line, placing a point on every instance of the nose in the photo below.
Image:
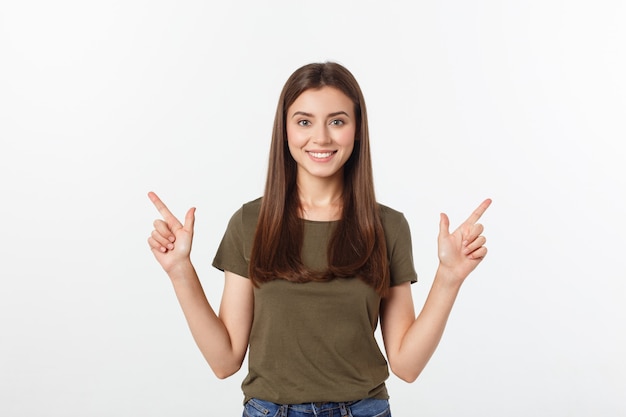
321	136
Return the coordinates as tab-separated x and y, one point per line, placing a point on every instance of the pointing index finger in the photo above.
473	218
162	208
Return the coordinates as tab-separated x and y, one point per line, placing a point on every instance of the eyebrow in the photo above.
305	114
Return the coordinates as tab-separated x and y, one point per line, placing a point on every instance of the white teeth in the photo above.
320	154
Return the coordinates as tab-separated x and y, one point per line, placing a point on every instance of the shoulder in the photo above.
391	219
242	225
399	245
388	211
245	219
248	211
396	227
251	209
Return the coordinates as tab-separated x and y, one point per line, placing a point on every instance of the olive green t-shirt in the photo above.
314	342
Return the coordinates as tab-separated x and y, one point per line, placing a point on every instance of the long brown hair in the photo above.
357	247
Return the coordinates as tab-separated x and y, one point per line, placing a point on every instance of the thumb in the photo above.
444	225
190	218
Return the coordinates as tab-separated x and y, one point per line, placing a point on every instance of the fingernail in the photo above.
170	246
172	238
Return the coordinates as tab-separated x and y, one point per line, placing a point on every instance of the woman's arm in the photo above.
409	341
223	338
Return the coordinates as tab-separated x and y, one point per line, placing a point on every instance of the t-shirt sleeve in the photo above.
232	254
399	249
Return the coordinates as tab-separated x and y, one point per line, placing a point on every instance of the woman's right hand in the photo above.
170	240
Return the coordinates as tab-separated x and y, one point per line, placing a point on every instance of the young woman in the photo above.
312	266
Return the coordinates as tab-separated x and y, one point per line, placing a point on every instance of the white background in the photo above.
101	102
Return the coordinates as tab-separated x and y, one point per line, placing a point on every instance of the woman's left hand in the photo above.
462	250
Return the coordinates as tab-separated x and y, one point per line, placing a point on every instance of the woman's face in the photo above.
321	128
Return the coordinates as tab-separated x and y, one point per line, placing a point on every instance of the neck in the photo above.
321	200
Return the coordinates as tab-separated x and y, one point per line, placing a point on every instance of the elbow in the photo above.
222	364
223	373
404	374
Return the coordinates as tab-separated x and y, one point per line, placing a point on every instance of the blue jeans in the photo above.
369	407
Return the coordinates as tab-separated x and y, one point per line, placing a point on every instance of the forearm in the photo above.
424	334
208	330
410	341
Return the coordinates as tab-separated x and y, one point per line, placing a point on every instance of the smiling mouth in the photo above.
321	155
